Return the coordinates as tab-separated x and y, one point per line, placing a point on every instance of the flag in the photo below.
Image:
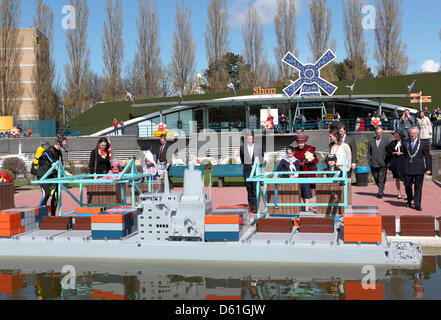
231	86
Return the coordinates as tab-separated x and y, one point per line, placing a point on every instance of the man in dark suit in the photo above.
351	142
162	157
377	151
417	162
248	153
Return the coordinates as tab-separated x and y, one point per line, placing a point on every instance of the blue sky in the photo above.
421	25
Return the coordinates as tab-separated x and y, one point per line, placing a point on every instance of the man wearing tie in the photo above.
377	151
417	163
248	152
162	157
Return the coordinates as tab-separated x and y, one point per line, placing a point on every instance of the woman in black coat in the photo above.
100	158
395	154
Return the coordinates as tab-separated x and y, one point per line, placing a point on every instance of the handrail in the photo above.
132	177
262	178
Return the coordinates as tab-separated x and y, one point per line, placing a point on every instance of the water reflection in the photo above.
22	279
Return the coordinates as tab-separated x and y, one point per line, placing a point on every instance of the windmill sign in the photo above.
310	82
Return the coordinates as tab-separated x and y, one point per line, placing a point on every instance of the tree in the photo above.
216	36
285	26
252	31
390	52
184	49
11	89
44	73
77	93
96	87
319	37
354	40
134	81
216	41
342	69
113	51
147	58
230	68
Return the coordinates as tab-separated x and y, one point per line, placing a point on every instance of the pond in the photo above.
59	279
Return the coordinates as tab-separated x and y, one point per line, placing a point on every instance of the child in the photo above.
150	166
331	163
116	169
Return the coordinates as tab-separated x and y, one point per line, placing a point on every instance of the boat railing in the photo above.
129	175
263	179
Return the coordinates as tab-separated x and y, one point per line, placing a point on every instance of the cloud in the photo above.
266	8
430	66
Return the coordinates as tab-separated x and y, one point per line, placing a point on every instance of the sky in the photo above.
420	22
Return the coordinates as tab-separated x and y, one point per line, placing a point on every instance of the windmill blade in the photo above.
328	57
327	87
292	61
294	87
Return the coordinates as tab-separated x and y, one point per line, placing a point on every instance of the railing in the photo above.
263	179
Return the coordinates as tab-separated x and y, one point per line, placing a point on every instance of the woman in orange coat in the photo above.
308	162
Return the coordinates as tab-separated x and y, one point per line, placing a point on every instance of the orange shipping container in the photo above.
362	220
108	218
10	216
360	237
363	229
354	291
98	294
215	219
9	233
86	210
10	283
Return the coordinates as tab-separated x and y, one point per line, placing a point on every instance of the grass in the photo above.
101	115
21	183
228	182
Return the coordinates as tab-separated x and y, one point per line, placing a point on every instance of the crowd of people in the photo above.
407	157
100	165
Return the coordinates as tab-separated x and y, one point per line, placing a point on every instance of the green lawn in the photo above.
228	182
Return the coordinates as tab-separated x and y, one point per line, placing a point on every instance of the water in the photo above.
26	279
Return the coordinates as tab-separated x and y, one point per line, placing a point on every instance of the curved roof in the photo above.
361	100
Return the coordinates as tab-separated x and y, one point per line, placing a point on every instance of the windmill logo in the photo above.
310	82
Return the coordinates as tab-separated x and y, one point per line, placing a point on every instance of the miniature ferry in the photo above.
185	227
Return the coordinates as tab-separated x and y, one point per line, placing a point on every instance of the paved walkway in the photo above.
389	205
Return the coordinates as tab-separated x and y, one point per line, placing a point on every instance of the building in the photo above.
31	38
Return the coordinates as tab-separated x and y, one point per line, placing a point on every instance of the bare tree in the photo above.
147	58
285	26
390	52
217	43
77	93
252	31
354	40
319	37
44	74
134	80
96	87
11	88
216	36
183	64
113	51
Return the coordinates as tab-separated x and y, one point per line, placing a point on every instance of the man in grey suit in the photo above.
351	142
248	153
377	160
